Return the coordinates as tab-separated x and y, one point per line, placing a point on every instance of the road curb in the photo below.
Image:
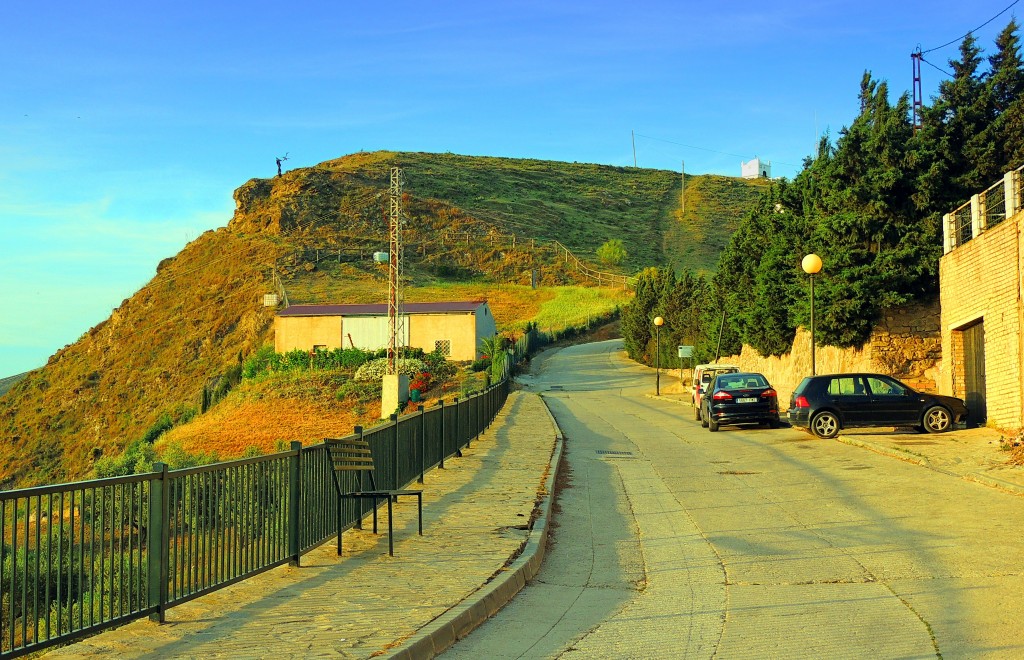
977	477
995	482
888	451
459	621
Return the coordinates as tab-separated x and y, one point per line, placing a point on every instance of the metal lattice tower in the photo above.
396	321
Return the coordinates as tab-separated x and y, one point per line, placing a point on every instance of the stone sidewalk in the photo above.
477	551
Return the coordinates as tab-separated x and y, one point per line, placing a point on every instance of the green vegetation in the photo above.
267	360
691	308
612	253
577	307
869	205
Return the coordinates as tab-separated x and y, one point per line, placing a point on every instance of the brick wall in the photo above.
981	281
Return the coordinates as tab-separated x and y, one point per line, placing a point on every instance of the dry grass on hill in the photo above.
234	426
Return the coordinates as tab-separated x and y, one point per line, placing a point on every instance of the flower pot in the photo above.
414	395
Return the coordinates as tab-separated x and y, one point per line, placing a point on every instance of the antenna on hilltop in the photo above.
281	159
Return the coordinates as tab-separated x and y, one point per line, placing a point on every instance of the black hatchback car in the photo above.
739	398
825	404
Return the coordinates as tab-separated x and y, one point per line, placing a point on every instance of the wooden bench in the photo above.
353	455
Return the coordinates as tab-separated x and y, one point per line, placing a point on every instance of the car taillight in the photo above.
722	396
768	394
801	402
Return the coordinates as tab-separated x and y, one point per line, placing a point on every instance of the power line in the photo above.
937	68
948	43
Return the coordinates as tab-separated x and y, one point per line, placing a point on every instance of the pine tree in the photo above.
1003	138
949	140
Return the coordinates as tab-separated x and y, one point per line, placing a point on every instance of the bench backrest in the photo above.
350	454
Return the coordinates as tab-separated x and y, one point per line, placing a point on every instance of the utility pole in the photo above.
395	319
916	58
682	195
633	135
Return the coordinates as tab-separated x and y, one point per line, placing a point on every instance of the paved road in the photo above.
675	542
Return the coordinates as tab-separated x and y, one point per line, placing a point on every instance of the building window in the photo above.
443	346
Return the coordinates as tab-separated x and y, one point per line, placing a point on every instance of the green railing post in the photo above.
359	502
423	442
157	541
441	403
479	414
294	493
395	483
458	438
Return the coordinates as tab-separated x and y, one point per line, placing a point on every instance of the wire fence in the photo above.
489	236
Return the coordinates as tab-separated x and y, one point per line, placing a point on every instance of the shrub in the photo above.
259	362
612	252
441	370
497	368
341	358
162	424
420	382
374	370
360	392
481	364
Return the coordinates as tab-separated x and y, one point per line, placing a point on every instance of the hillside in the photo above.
477	227
581	205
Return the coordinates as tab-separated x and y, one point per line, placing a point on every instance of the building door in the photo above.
974	373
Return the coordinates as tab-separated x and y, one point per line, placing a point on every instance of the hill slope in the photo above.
477	227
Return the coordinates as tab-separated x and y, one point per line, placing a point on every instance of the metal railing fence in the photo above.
985	210
80	557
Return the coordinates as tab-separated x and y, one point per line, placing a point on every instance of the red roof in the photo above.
382	309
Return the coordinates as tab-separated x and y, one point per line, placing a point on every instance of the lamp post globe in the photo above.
812	266
658	322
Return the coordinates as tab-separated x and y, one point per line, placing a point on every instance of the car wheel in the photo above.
825	425
937	419
696	413
703	420
774	424
712	425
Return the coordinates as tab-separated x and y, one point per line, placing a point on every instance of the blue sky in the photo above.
125	126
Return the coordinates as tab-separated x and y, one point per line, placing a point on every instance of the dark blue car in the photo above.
739	398
826	404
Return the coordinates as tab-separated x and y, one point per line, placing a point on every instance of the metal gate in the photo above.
974	373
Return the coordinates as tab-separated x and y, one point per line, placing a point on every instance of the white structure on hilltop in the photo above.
756	169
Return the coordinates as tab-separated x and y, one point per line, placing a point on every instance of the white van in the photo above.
703	374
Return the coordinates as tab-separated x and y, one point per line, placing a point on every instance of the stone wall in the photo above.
907	344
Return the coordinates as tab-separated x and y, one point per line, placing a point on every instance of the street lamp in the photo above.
812	266
658	322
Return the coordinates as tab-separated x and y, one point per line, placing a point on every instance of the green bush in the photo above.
612	252
358	391
162	424
440	369
374	370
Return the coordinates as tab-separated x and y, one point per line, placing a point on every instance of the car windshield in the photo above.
741	382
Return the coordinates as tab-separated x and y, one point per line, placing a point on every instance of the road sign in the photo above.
685	351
